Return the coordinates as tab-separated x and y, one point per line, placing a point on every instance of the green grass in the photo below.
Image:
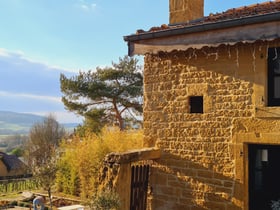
12	127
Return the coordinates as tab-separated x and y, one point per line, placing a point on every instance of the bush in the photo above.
27	205
13	203
83	157
21	204
106	200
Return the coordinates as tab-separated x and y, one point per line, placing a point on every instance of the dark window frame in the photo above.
273	72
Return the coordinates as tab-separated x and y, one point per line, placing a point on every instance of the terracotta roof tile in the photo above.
246	11
231	14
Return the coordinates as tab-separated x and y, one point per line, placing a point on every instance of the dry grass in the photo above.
11	196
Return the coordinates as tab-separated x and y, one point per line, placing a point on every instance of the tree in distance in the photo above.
108	95
42	151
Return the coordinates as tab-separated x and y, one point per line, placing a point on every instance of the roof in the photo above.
12	162
269	7
241	19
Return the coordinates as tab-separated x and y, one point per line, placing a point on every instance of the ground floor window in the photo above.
264	175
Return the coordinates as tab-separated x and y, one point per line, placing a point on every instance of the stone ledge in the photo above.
268	112
133	156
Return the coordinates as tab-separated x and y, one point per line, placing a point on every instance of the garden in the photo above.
23	200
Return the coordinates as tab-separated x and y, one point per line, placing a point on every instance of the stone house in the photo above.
11	166
212	106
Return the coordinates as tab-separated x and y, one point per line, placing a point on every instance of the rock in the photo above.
27	196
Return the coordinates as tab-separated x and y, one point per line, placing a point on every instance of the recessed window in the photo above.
196	104
273	76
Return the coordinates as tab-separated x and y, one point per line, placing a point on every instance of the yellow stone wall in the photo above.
204	156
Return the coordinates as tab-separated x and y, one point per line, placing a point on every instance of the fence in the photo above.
16	185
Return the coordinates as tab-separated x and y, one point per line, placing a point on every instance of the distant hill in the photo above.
20	123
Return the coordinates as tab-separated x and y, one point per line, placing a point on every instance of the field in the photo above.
10	128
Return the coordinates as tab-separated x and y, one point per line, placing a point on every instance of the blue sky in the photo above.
40	39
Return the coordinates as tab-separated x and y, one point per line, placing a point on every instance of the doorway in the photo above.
264	175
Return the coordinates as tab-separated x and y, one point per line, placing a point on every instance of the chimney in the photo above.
182	11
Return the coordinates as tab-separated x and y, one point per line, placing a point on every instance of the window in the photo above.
196	104
273	76
263	175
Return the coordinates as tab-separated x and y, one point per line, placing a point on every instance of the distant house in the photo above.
11	166
212	106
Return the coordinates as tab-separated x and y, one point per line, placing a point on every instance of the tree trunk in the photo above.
121	123
119	117
50	197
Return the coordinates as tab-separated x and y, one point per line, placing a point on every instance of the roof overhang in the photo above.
249	29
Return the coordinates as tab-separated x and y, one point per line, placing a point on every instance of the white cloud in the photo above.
31	96
4	53
20	55
30	86
61	116
7	53
87	6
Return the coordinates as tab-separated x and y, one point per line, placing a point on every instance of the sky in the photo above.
40	39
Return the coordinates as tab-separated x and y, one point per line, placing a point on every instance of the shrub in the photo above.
82	158
27	205
106	200
21	204
13	203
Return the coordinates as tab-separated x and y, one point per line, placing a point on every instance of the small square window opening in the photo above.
196	104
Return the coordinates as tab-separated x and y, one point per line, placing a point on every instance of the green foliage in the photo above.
82	158
95	120
13	203
18	152
106	200
21	204
67	179
10	186
105	96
